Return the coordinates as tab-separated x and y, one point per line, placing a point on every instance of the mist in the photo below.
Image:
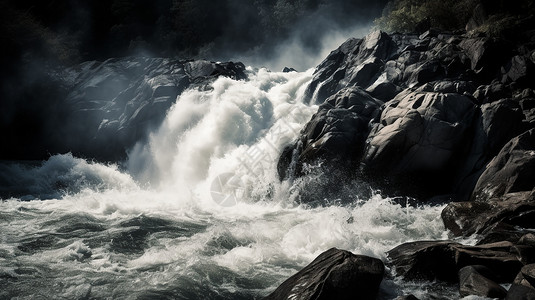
45	41
300	44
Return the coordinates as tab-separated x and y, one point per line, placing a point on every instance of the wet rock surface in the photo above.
334	274
448	118
101	109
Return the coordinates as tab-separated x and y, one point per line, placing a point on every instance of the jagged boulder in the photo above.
519	69
495	217
355	62
420	135
336	132
479	280
334	274
442	260
512	170
487	55
523	286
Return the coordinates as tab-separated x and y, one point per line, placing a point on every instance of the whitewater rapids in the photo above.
196	212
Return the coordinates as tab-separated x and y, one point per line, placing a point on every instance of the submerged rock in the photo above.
334	274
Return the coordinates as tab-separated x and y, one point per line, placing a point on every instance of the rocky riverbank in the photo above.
444	117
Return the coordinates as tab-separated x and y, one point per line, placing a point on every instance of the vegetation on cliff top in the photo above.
493	17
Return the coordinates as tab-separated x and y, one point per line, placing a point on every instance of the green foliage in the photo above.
501	17
405	15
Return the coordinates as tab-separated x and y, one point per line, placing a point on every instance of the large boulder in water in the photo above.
334	274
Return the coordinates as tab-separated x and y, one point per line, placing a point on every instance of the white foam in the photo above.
237	130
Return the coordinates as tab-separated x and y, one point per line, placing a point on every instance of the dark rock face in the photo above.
105	107
524	285
334	274
503	196
512	170
451	116
451	103
338	130
442	260
475	280
486	55
498	215
420	134
356	62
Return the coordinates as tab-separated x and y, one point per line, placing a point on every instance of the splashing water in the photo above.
197	211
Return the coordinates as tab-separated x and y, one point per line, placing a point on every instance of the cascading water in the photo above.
197	212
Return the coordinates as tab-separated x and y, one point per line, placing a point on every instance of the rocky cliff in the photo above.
443	117
100	109
419	115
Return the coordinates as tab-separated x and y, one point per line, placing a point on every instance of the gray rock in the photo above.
501	121
492	92
477	280
334	274
113	104
423	72
486	55
523	286
442	260
337	131
519	69
495	216
512	170
420	133
356	62
495	125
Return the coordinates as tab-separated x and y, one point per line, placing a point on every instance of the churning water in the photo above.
197	211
